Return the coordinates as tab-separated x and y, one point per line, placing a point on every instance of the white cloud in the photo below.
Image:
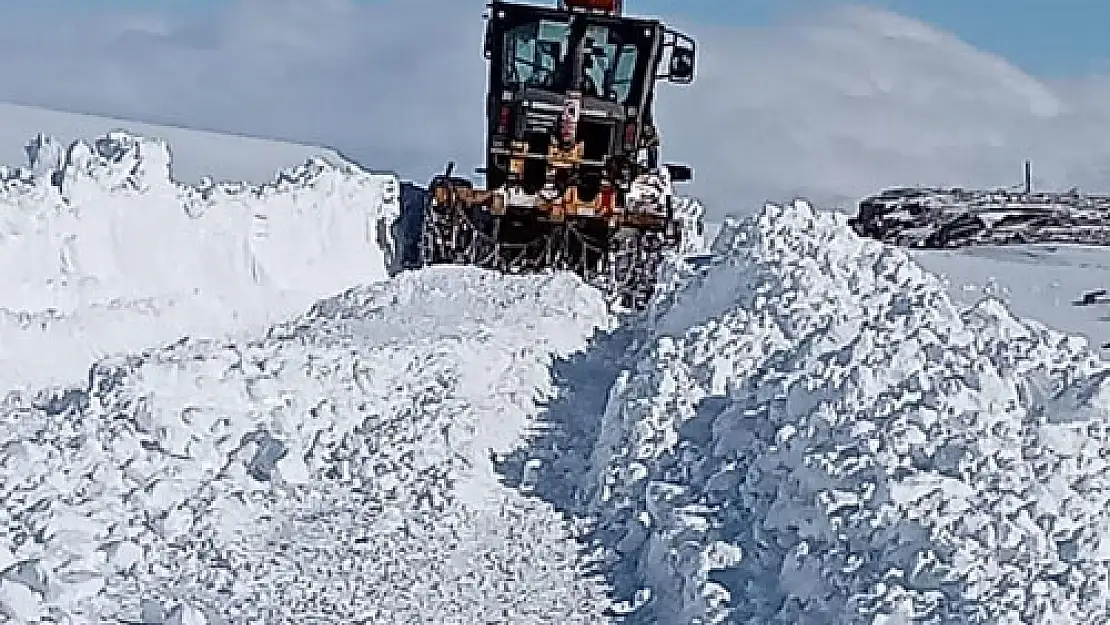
840	104
371	79
832	105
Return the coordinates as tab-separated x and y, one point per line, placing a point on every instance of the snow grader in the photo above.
572	173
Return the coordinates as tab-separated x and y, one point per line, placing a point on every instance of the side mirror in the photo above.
682	65
679	57
680	173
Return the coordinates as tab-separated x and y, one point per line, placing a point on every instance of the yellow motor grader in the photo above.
572	173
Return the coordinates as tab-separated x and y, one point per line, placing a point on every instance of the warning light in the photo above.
630	136
607	202
612	7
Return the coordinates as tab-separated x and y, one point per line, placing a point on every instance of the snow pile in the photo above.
95	238
336	470
815	434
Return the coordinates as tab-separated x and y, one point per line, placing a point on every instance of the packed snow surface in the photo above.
103	252
814	433
335	469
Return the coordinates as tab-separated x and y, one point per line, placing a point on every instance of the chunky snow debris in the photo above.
655	190
690	213
815	434
337	470
97	239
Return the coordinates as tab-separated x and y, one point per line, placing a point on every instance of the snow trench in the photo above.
336	469
103	252
811	432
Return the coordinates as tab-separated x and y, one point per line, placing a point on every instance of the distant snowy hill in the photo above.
196	153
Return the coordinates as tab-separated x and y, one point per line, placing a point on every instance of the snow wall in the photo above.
103	252
815	434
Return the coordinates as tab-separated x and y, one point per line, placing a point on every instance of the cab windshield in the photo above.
539	54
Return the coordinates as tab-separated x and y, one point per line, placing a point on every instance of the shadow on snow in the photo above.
554	464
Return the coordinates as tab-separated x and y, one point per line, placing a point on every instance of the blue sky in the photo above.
1052	38
1048	38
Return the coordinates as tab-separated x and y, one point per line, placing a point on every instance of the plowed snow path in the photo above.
336	470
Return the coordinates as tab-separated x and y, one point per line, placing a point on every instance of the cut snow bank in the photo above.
815	434
335	470
102	252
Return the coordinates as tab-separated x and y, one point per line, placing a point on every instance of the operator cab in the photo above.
583	56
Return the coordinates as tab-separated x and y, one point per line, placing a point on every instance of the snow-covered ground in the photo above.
103	252
1065	286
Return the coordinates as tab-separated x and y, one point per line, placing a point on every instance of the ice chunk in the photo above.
20	602
186	614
